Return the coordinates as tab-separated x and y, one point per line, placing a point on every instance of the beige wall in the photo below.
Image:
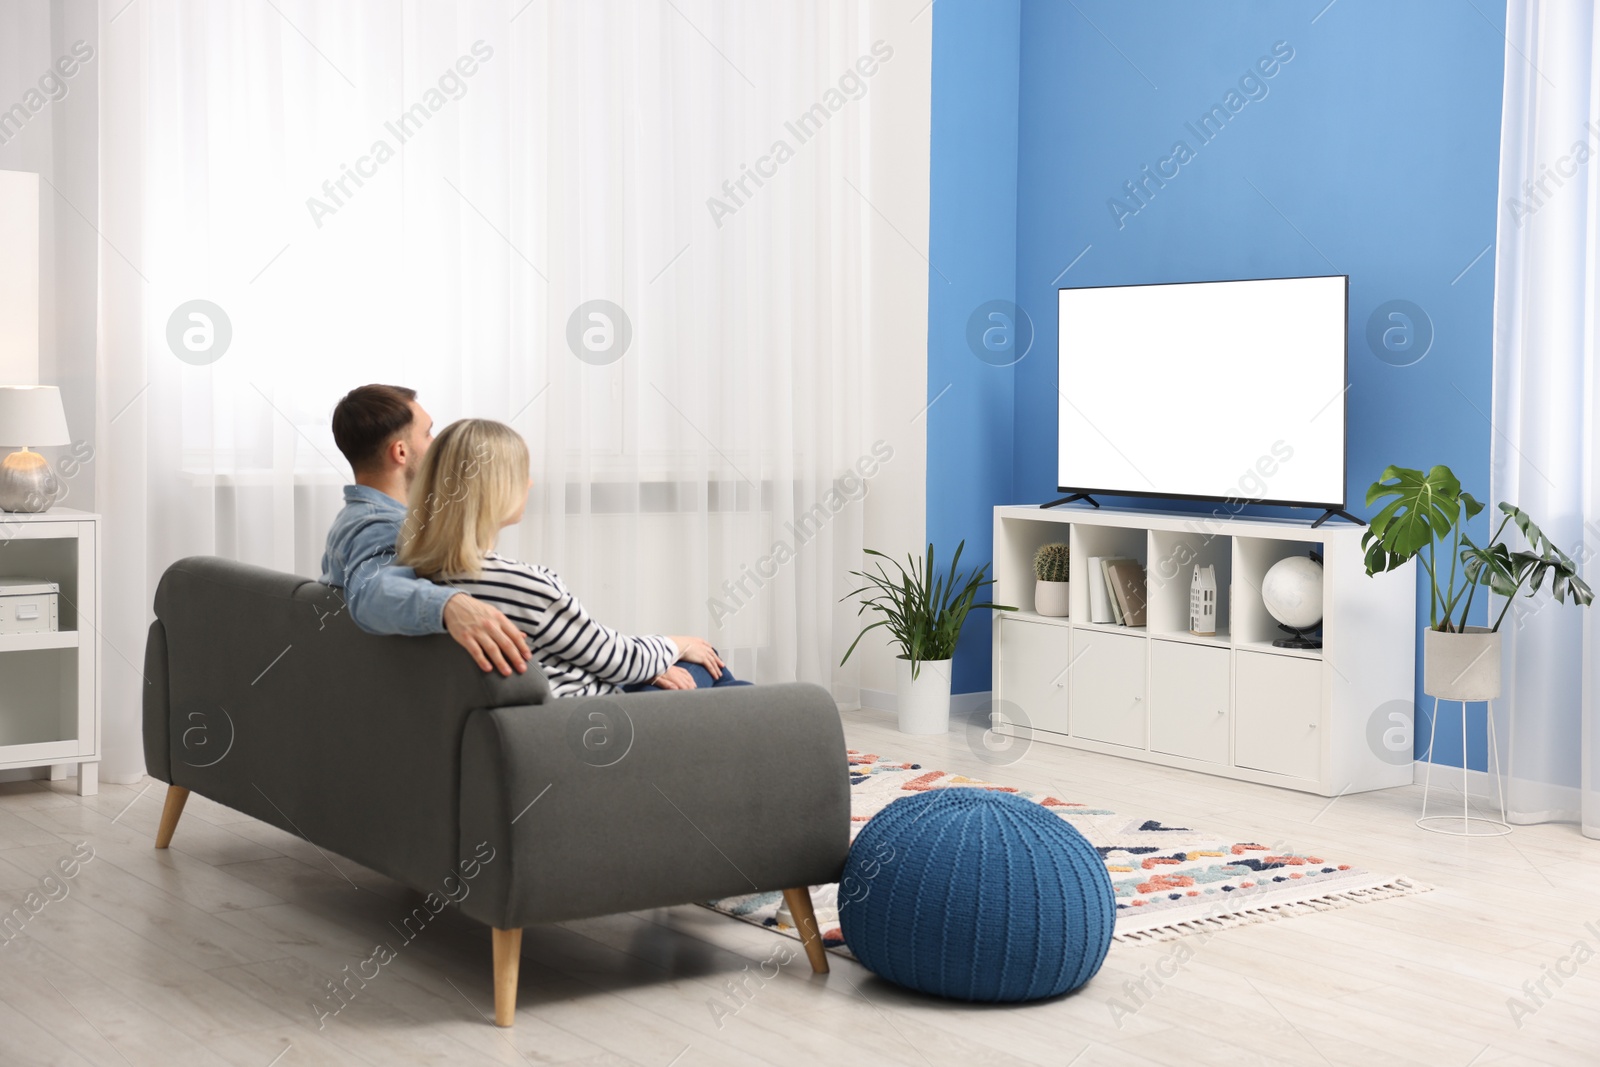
55	148
896	503
57	142
19	278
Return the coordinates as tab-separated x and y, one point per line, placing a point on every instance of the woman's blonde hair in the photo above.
472	479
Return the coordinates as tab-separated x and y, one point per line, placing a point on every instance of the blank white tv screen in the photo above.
1219	390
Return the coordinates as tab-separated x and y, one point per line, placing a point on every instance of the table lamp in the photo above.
30	415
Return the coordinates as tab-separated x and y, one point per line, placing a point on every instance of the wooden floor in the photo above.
217	951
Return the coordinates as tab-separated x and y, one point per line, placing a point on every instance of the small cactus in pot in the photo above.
1052	566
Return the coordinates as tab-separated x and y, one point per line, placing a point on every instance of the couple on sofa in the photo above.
413	550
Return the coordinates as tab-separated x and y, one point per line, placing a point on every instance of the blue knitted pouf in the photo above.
976	895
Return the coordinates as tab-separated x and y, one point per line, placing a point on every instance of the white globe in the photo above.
1292	591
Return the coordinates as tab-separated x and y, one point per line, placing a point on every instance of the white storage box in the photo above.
28	606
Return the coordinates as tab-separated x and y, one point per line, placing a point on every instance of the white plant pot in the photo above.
924	701
1461	666
1050	598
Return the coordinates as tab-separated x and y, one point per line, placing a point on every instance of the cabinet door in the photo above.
1034	657
1108	674
1189	700
1279	714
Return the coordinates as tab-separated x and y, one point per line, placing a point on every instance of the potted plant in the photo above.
1425	511
1050	588
924	614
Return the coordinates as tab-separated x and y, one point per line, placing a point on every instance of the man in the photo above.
383	432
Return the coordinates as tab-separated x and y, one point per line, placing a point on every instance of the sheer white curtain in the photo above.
425	194
1546	454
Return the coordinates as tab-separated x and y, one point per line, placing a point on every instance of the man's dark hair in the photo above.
367	419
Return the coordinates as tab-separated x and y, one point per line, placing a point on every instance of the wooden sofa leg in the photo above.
799	901
507	958
176	796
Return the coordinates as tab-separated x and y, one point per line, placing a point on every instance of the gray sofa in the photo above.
401	755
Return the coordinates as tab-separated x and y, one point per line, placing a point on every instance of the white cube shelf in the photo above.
50	682
1232	703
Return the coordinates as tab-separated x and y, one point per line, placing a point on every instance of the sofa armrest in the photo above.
594	805
157	707
269	700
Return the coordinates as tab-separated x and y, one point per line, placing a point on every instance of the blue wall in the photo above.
972	252
1373	151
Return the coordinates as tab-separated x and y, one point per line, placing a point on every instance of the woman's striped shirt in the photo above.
579	656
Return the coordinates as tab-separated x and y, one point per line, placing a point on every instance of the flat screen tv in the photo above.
1229	390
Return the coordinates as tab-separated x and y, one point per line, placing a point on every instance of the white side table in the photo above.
50	682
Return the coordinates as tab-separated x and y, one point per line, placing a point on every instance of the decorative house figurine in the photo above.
1203	601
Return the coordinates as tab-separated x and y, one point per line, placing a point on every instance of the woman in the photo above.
473	482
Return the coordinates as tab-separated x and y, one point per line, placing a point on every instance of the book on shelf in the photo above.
1103	604
1111	596
1127	581
1099	598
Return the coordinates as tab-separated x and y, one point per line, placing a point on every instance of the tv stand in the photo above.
1070	499
1340	512
1234	702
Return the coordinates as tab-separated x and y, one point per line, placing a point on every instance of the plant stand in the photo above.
1464	824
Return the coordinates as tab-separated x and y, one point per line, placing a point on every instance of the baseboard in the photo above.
961	704
1556	803
1447	781
878	700
31	774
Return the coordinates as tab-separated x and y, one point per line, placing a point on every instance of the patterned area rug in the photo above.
1169	880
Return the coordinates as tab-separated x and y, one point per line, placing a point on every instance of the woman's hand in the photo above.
673	678
699	650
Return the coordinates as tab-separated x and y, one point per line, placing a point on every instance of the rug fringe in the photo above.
1397	887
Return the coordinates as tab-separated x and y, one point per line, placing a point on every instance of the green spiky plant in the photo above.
1050	563
1427	510
923	611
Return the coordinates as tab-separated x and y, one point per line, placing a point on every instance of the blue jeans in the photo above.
702	679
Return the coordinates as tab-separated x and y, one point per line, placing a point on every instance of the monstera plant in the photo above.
1506	572
1427	511
1424	518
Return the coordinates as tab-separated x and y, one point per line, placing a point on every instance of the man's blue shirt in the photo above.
383	597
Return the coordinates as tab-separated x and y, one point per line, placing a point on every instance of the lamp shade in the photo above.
32	415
